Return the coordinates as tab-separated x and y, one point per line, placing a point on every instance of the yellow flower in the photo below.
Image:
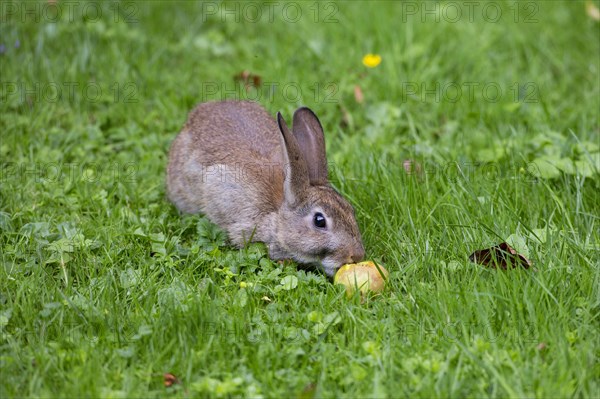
243	284
371	60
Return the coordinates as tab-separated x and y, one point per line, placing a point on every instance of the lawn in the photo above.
479	125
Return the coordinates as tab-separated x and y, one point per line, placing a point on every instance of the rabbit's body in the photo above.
206	175
229	162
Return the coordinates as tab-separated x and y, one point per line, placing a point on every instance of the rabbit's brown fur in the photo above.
258	181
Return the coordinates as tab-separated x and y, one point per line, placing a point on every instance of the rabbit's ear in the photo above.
296	176
309	135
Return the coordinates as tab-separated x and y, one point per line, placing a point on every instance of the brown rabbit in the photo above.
260	182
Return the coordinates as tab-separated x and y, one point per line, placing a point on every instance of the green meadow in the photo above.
471	124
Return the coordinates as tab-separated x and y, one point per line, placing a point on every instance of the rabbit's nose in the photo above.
357	256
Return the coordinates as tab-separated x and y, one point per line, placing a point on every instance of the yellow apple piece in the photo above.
365	277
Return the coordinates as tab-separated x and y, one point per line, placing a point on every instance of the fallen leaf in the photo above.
501	255
542	346
309	391
412	167
592	11
358	94
249	79
170	380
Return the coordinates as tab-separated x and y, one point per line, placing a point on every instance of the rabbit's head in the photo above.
315	224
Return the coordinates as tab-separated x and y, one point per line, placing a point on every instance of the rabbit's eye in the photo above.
319	220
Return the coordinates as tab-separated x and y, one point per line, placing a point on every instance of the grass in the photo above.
104	287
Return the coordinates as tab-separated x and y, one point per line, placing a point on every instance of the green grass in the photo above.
104	287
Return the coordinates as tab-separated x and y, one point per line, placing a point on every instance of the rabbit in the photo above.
259	181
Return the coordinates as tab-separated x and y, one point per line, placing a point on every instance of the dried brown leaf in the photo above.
358	94
170	380
501	255
542	346
412	167
248	79
309	391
